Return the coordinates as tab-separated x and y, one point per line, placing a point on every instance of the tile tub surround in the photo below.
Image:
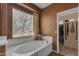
19	40
3	40
14	43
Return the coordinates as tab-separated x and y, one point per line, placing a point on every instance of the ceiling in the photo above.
42	5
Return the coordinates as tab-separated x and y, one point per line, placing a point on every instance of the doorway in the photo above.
67	41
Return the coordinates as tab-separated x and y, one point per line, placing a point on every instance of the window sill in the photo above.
23	36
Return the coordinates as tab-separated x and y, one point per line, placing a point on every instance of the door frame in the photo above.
78	30
65	12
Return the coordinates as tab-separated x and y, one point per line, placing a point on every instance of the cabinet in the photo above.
2	50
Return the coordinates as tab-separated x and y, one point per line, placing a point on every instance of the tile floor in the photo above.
68	51
55	54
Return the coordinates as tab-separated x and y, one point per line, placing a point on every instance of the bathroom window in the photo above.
22	23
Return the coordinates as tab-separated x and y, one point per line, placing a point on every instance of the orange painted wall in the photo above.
49	19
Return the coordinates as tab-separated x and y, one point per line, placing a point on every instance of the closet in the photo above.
69	20
70	33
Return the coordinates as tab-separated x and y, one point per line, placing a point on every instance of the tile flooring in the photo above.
68	51
55	54
65	51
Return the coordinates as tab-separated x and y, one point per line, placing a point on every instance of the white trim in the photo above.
78	30
73	10
70	11
60	22
57	33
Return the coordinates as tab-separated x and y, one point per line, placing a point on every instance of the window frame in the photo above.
25	34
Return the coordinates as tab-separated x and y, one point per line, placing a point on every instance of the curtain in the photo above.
36	23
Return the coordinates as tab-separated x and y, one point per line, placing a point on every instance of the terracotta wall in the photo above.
4	19
0	20
49	19
33	6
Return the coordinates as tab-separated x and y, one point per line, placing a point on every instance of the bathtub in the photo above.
34	48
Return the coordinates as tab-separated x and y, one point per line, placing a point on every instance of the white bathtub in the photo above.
29	49
32	48
23	47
